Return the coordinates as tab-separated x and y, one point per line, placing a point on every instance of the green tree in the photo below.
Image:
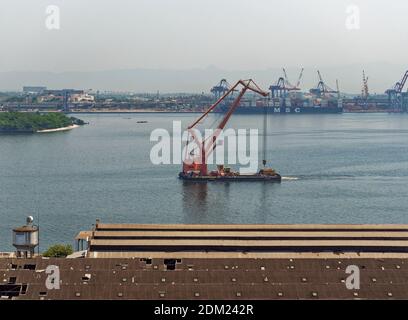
58	251
33	121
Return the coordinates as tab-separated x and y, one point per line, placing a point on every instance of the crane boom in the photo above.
322	87
300	78
338	89
288	85
403	81
320	76
286	76
209	144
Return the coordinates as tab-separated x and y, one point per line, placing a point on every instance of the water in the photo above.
350	168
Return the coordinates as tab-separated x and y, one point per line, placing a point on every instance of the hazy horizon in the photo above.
381	77
242	38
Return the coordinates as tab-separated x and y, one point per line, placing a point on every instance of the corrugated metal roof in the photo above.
246	255
120	238
255	227
247	243
275	234
194	278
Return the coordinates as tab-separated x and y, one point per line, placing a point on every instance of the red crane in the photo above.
198	162
364	91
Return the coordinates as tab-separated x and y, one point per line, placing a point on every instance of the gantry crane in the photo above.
283	85
220	89
396	97
322	88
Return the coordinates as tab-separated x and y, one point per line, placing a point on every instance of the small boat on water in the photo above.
195	166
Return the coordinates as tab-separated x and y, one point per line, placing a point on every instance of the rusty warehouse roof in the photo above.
193	278
129	261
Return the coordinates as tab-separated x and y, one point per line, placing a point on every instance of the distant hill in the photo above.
381	76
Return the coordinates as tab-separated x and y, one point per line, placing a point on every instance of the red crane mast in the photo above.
199	163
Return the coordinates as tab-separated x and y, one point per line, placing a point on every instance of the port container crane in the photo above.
283	85
279	89
396	97
221	88
322	88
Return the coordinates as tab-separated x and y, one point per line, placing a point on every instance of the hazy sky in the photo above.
230	34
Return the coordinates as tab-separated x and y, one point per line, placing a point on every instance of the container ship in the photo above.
299	103
285	98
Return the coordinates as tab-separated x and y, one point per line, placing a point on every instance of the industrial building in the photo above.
194	262
130	240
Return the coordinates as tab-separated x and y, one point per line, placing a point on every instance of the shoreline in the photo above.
187	112
152	111
200	112
129	111
58	129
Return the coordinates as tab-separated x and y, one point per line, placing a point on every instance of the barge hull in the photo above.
248	178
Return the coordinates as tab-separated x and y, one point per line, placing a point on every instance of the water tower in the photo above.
25	239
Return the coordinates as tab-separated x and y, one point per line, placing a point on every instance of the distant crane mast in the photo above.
300	78
338	89
364	91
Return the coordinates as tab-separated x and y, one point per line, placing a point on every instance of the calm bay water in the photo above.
350	168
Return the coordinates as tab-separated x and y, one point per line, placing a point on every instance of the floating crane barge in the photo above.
195	166
233	177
